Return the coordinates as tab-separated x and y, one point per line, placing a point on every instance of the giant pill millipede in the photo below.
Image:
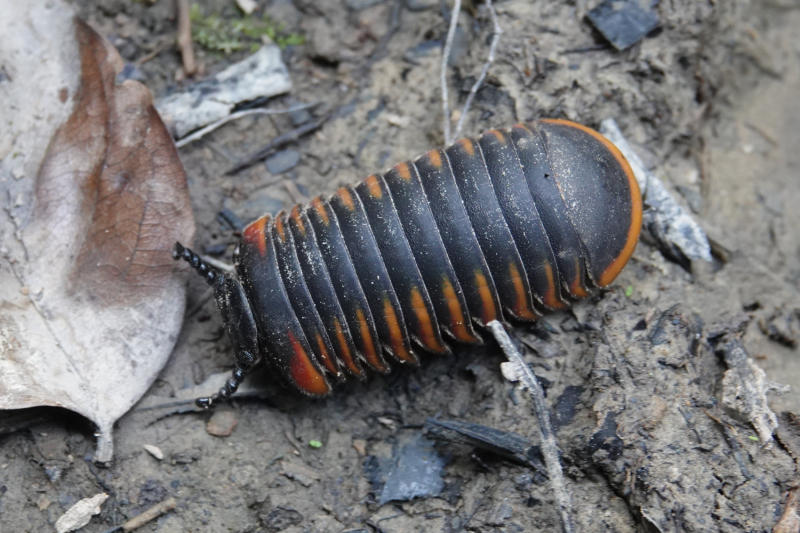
515	223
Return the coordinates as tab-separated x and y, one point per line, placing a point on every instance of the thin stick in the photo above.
448	45
498	31
148	515
269	148
549	444
202	132
185	37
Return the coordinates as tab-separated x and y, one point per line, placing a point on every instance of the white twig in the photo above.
549	444
448	45
202	132
498	31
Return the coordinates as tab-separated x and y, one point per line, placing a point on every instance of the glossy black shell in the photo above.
510	225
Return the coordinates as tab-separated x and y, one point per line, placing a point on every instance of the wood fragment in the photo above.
150	514
185	37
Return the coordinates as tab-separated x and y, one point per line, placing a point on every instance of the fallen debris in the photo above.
507	444
185	37
81	513
624	22
517	370
145	517
663	216
416	473
744	390
262	74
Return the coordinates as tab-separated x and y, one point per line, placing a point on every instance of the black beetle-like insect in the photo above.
520	221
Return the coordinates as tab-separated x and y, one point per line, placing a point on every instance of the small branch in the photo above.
549	445
269	148
448	45
202	132
497	32
145	517
185	37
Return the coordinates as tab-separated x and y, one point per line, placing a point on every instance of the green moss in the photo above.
221	35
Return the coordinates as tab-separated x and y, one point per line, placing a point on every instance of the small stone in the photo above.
398	120
361	446
388	422
300	117
155	451
24	291
302	474
282	161
43	502
221	424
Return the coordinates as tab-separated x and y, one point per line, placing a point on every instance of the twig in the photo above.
150	514
448	45
185	37
498	31
202	132
549	444
276	143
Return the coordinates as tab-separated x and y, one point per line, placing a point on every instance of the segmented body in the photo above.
512	224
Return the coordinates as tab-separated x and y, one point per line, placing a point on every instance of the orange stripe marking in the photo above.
396	334
374	187
499	136
576	288
304	375
279	227
326	358
467	145
616	266
457	325
346	198
521	308
345	349
435	157
404	171
369	344
319	207
489	312
427	331
551	298
298	220
254	234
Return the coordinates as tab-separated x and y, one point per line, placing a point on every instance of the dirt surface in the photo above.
636	377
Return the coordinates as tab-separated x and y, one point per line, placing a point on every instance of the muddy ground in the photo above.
634	376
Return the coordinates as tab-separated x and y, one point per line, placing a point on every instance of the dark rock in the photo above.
623	22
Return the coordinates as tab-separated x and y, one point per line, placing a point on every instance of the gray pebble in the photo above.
282	161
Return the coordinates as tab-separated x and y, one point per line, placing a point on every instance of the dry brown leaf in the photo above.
93	198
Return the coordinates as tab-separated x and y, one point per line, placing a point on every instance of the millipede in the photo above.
515	223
